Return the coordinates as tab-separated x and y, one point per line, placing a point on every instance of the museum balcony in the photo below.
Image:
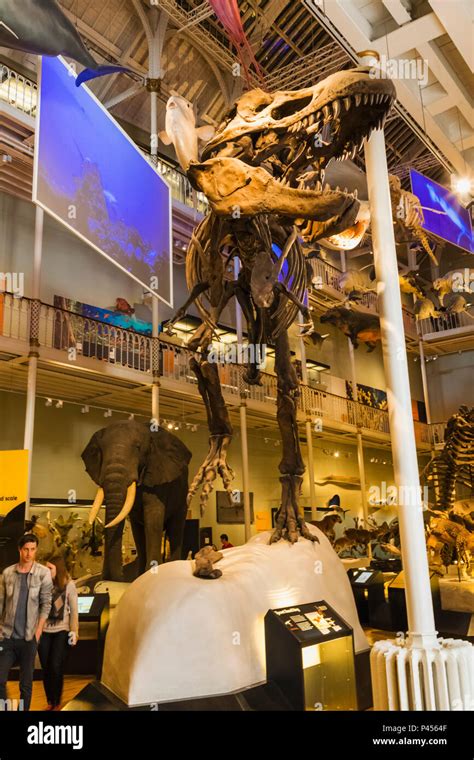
85	361
444	334
18	110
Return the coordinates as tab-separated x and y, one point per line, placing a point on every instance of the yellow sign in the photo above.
263	521
13	479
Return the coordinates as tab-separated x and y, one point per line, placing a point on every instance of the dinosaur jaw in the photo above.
234	189
287	131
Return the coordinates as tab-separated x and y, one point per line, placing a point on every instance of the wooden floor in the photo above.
72	686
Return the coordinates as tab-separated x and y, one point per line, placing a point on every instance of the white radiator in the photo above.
407	678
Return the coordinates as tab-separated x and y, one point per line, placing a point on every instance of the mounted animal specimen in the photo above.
180	129
41	27
327	525
141	474
357	325
252	173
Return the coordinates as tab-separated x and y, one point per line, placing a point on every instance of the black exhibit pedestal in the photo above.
369	594
448	623
87	656
310	657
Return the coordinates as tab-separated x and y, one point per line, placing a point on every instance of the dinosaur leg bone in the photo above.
290	522
220	430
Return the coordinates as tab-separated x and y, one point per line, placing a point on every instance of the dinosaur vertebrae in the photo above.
453	464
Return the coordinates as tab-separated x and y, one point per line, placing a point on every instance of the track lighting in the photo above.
108	413
85	409
49	402
59	404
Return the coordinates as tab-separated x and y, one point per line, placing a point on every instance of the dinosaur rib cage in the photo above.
456	462
208	253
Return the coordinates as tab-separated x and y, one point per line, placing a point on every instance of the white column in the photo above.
243	421
417	586
309	432
33	354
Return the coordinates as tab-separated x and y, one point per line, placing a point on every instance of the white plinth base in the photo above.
174	636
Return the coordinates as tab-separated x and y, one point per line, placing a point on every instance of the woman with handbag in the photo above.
60	632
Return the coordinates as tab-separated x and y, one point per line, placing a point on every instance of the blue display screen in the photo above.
90	176
444	215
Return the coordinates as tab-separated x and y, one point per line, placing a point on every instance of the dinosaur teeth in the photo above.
336	108
366	99
358	99
311	118
326	112
347	103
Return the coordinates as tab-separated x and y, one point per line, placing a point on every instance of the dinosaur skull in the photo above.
260	154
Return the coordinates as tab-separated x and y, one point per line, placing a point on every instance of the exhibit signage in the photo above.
13	479
90	176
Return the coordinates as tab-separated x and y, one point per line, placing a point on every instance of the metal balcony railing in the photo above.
437	325
327	275
65	331
18	91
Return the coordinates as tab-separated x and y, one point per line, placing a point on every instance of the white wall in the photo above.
450	384
62	434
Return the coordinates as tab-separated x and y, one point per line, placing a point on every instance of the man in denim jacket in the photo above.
25	602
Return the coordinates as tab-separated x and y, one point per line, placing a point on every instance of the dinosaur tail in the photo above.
422	237
100	71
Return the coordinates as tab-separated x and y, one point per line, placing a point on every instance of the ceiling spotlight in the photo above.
59	404
462	185
84	409
177	426
194	428
49	402
108	413
131	417
170	425
6	158
336	453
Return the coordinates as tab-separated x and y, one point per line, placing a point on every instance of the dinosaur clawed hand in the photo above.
214	464
307	326
289	523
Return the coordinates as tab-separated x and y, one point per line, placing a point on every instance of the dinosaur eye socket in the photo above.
291	107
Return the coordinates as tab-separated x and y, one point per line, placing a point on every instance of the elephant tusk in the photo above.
98	501
129	500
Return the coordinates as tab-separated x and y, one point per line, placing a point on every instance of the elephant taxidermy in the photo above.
142	474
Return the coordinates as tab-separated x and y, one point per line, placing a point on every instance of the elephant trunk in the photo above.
116	482
127	506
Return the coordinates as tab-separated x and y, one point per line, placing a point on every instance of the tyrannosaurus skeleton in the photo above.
252	174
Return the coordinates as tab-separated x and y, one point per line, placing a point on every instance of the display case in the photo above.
368	587
310	657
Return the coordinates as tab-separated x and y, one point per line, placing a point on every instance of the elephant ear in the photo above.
168	459
92	457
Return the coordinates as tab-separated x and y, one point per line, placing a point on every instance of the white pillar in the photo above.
243	421
33	354
415	563
309	432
